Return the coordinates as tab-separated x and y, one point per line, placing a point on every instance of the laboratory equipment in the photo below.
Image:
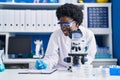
78	49
86	70
39	52
2	66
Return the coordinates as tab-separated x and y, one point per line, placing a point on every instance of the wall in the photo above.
116	28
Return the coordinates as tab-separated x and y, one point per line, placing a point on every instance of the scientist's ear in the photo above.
77	24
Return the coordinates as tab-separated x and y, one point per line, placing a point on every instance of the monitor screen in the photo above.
19	45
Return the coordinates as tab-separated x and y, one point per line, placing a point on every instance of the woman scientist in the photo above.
70	18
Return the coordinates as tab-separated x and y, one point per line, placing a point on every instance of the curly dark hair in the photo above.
70	10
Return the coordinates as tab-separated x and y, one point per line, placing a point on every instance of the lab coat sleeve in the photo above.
92	49
51	55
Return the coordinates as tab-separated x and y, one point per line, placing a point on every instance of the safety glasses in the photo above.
66	24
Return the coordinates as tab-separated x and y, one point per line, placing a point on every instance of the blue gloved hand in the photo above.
2	67
40	64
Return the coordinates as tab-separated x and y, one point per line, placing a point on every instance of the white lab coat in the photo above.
60	45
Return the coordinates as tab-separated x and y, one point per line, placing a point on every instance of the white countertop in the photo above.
12	74
27	60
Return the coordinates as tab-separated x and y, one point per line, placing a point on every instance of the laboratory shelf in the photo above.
28	11
43	5
101	31
33	5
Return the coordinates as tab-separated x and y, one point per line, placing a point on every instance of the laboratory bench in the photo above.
29	63
13	74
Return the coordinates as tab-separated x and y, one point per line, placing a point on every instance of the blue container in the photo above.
89	1
52	1
24	1
115	71
5	0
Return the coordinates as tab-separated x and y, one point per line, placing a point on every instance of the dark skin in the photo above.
74	26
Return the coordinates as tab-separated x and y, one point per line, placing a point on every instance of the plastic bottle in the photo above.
86	70
102	72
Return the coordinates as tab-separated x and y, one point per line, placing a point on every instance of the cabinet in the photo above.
98	19
21	18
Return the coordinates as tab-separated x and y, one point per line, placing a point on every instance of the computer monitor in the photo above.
19	45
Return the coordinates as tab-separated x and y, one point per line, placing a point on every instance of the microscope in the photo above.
78	50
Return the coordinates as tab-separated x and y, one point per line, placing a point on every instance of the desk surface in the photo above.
12	74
